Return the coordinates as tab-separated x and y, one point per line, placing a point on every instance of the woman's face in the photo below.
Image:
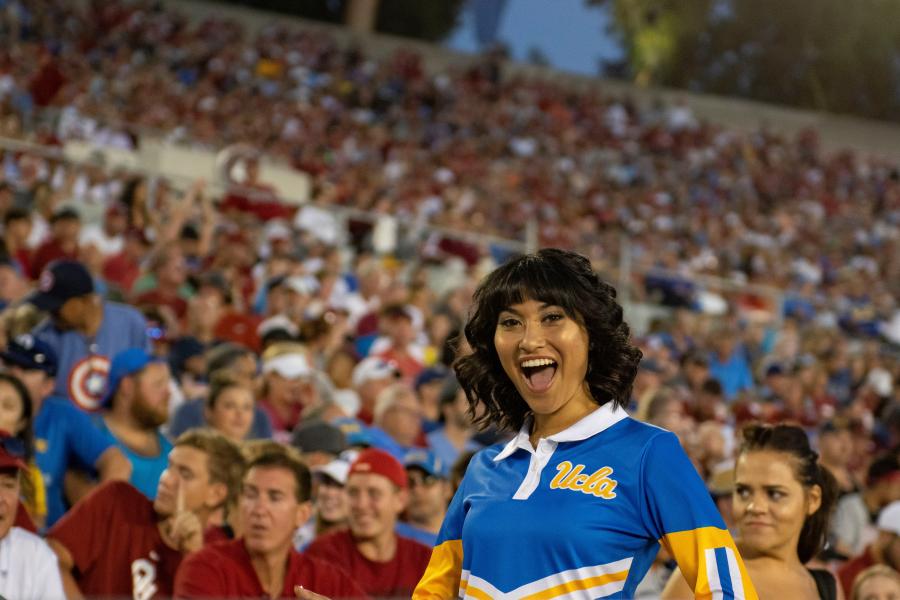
878	587
11	409
233	413
770	504
544	353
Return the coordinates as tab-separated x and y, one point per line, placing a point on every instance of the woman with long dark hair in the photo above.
577	503
782	501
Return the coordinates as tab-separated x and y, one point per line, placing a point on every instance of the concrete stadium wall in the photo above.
837	132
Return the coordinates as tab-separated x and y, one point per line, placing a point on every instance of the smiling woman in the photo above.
577	503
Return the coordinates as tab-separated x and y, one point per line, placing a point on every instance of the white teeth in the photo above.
537	362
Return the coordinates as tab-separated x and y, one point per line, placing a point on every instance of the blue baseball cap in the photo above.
355	431
430	374
31	354
426	460
126	363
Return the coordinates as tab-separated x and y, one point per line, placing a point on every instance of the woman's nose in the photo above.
532	338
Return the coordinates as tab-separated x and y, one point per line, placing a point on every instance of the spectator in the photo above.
429	495
64	436
456	432
137	405
288	388
16	228
29	569
728	363
398	420
13	283
318	442
84	331
428	386
240	363
65	227
229	407
399	342
107	238
836	452
852	527
274	501
884	550
876	583
116	542
168	287
667	411
383	563
370	377
17	421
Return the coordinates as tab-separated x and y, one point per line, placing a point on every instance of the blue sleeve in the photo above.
83	439
680	513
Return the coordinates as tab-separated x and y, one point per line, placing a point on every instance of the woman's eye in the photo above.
554	317
508	323
776	495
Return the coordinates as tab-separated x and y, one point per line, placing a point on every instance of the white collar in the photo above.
604	417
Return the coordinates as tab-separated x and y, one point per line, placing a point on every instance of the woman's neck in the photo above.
570	413
785	556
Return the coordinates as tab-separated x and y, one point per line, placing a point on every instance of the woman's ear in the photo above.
813	499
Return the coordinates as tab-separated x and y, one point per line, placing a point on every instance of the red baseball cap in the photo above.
12	452
381	463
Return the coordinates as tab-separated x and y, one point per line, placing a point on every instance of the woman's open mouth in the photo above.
539	373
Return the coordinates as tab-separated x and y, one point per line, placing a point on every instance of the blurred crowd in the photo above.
136	312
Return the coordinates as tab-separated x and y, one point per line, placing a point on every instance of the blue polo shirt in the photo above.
64	437
582	516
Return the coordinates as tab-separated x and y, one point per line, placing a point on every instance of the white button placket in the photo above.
539	460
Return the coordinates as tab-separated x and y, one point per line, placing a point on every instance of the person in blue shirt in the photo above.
136	406
429	495
84	331
577	504
64	436
455	434
729	364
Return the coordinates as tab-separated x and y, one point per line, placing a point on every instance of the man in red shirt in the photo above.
117	543
885	550
384	563
65	226
274	503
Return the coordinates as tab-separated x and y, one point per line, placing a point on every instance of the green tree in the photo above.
822	54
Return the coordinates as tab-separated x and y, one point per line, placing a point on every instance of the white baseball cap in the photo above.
889	518
289	366
338	469
374	368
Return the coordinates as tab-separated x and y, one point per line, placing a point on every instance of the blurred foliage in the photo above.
829	55
430	20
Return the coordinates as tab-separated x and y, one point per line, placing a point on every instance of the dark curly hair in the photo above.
792	440
559	278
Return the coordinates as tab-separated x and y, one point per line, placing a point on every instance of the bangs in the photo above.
531	278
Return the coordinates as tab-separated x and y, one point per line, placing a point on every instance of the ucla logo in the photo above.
598	483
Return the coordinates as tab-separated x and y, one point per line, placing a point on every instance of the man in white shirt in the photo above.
28	567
